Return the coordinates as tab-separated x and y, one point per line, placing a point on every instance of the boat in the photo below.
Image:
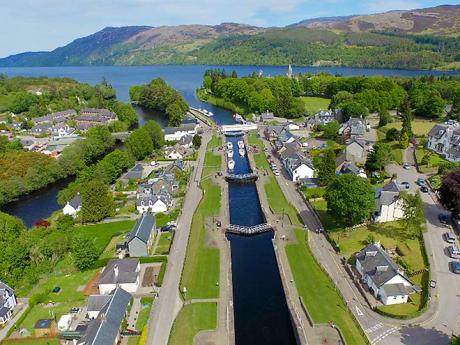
205	111
241	144
242	152
210	113
229	145
231	164
230	153
234	134
238	118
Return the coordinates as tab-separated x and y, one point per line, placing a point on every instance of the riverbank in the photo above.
204	96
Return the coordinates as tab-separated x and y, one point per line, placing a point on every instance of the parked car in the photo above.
421	182
406	166
454	252
449	237
405	184
74	310
433	283
443	218
455	265
167	228
277	173
424	189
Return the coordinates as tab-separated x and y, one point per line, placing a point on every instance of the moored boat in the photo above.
229	145
242	152
231	164
241	144
230	153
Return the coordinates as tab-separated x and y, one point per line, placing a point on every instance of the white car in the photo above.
277	173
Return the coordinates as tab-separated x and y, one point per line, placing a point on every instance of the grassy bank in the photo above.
318	292
315	104
211	99
201	269
192	319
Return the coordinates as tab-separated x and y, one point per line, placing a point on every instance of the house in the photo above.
176	133
58	117
173	153
139	240
61	130
57	145
350	168
135	173
73	206
383	277
95	304
267	116
279	133
92	117
186	141
101	113
45	327
105	328
64	322
353	152
122	273
41	129
298	166
156	203
323	117
445	140
291	126
7	303
291	147
353	128
389	205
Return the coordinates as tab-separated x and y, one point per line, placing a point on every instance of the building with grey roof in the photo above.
73	206
383	277
41	128
298	166
389	205
57	117
353	128
122	273
105	328
7	303
444	139
139	240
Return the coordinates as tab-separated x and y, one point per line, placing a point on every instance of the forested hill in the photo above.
418	39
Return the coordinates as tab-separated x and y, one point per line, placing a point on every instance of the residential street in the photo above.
441	319
169	303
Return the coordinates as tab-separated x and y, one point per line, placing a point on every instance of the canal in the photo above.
260	309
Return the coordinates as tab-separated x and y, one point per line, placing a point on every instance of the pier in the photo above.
241	178
249	230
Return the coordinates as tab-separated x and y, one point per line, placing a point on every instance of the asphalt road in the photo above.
169	303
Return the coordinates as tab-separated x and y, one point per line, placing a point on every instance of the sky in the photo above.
38	25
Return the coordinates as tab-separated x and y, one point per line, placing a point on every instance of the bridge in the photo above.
239	127
249	230
241	178
122	136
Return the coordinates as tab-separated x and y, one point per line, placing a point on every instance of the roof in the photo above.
356	126
143	228
43	323
378	265
437	131
135	172
76	201
97	302
120	271
186	140
294	160
267	115
396	289
185	127
105	328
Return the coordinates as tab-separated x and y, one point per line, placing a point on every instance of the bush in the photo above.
392	135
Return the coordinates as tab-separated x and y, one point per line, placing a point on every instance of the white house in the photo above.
61	130
7	303
73	206
95	304
389	204
172	153
385	279
298	166
445	140
155	203
64	322
176	133
186	141
122	273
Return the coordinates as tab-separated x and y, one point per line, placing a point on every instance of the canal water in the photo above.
260	309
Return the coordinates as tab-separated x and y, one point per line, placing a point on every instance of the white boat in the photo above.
231	164
229	145
210	113
242	152
205	111
230	153
241	144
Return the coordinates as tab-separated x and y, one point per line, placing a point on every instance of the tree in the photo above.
326	171
156	133
139	143
331	130
353	109
84	253
384	117
350	199
174	114
450	192
96	201
380	157
339	98
414	215
404	140
196	141
392	134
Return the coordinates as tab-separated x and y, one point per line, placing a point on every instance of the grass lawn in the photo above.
102	233
133	340
419	126
164	243
410	250
220	102
433	162
143	316
398	153
201	269
110	250
33	342
329	223
164	218
278	202
260	158
318	292
315	104
192	319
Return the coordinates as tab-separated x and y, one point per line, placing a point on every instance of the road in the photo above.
169	303
441	319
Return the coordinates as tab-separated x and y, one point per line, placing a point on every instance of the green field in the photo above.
201	269
419	126
434	160
315	104
143	316
102	233
32	342
260	158
220	102
192	319
164	243
318	292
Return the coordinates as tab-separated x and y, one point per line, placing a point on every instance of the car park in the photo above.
449	237
454	252
455	265
443	218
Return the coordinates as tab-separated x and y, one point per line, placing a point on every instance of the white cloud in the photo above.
376	6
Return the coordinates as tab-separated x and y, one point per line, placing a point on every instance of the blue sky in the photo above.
33	25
